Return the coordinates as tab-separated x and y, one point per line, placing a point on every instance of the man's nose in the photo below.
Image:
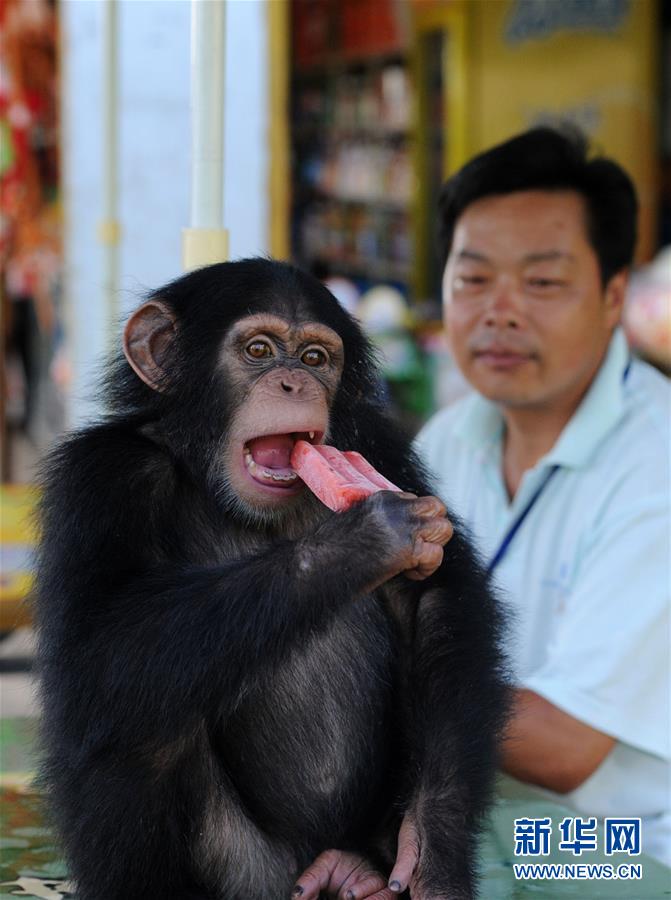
504	307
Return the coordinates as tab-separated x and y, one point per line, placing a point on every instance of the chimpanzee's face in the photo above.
282	376
271	382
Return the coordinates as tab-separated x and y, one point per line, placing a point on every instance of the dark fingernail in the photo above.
297	891
395	886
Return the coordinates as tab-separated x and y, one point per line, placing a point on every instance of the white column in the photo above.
206	240
109	229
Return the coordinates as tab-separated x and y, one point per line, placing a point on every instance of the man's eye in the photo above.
544	283
469	281
313	357
259	350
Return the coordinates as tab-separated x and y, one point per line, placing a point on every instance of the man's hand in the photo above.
342	876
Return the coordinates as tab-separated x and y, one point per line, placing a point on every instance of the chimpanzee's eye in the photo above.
313	357
259	350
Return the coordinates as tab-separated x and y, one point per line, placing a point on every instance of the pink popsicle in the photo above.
362	465
334	478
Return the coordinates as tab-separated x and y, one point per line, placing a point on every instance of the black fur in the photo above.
222	701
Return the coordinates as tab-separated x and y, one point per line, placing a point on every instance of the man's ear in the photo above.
614	296
146	338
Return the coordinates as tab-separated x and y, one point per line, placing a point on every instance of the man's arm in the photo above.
545	746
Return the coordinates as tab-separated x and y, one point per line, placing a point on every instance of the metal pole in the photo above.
206	241
109	229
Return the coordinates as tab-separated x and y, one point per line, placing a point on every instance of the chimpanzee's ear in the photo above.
146	338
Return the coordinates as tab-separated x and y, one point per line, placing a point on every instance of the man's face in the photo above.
526	315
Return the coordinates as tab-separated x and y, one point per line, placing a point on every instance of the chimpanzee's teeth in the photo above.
266	473
276	476
312	435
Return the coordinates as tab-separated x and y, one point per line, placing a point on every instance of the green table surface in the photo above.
30	864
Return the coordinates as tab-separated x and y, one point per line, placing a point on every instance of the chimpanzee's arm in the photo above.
458	691
455	696
455	681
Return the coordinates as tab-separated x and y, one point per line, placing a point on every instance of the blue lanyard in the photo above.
517	524
515	527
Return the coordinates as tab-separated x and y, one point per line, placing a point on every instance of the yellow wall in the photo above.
524	69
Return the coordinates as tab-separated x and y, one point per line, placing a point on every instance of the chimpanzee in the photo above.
245	694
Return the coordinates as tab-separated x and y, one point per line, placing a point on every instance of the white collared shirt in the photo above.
588	575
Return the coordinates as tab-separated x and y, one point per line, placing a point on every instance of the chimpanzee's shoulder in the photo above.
106	494
106	458
104	441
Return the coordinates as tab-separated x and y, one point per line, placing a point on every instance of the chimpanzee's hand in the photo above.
405	874
414	532
382	536
342	876
407	856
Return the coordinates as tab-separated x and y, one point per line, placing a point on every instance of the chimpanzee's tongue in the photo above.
272	451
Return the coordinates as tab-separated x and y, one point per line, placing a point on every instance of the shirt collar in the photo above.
480	422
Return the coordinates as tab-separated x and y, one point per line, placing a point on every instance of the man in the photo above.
560	466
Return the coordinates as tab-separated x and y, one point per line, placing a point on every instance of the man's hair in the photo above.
552	160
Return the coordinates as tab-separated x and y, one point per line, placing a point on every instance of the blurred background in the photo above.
341	119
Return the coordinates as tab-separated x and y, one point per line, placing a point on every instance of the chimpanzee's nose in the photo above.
291	382
296	384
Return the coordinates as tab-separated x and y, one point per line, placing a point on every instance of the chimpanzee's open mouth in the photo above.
268	458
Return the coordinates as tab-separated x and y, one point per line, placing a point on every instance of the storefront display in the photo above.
351	132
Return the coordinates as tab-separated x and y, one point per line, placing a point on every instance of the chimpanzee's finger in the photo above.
427	558
317	876
436	531
362	885
429	507
407	856
384	894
